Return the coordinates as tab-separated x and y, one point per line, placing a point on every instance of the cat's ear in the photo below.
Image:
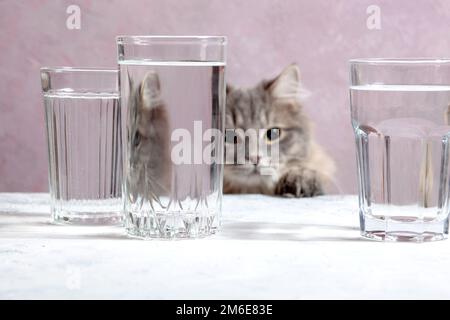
150	90
287	84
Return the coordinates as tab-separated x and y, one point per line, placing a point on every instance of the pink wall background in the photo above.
264	36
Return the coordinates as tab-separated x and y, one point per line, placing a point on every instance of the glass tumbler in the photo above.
173	101
400	111
82	117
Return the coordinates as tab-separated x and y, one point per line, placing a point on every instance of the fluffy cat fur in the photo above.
304	168
149	140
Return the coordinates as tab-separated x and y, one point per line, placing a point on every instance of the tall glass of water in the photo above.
84	144
173	100
400	113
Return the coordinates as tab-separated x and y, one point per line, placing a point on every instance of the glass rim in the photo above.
161	39
400	61
78	69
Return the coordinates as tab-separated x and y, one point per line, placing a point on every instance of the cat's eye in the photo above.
273	134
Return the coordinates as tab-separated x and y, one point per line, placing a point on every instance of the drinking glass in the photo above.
84	144
400	111
173	101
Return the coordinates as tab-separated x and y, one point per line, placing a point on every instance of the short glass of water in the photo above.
173	102
84	144
400	111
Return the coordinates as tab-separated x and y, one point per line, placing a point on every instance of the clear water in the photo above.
83	131
162	198
402	137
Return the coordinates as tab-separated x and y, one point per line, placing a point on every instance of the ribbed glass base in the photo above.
405	229
87	212
171	225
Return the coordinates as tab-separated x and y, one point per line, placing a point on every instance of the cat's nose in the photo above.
255	159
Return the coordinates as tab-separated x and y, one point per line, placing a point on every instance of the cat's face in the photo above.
148	136
272	112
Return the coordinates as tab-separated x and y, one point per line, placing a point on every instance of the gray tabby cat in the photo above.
274	107
148	141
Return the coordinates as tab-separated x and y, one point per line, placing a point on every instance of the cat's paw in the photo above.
303	183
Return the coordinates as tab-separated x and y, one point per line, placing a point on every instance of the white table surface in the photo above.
269	248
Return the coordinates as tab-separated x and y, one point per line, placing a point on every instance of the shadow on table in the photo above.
289	232
39	226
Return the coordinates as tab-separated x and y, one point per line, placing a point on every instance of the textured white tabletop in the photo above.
269	248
